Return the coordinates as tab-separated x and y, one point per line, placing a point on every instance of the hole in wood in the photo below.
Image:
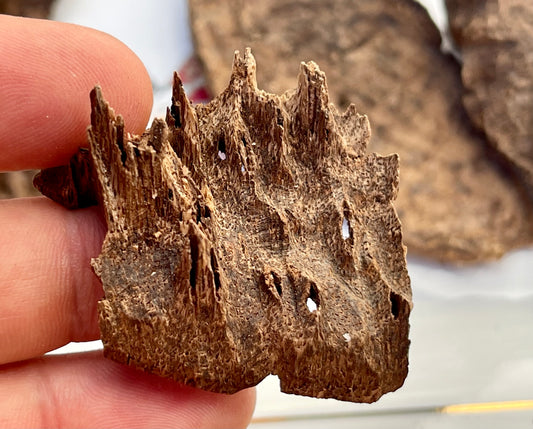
313	301
202	212
345	229
395	304
120	144
198	212
176	114
277	283
214	267
194	263
279	118
222	148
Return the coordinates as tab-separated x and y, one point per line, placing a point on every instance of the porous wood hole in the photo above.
395	304
216	273
194	262
176	114
277	283
313	300
222	148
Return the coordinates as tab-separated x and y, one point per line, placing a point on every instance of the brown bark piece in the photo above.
249	236
74	185
495	39
455	202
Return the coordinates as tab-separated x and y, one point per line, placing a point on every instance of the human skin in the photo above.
48	291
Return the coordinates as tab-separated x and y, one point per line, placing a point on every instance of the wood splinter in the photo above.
249	236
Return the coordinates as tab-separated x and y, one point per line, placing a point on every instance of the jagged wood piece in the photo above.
249	236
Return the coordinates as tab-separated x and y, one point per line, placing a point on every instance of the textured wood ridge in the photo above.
249	236
456	203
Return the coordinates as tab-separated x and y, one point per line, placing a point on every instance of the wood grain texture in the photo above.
252	236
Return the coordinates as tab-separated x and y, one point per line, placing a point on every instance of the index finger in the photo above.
47	70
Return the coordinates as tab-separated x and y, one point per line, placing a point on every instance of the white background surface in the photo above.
471	328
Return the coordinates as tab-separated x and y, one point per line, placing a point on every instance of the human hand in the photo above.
48	292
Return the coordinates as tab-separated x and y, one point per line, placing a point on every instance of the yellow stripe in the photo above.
480	407
487	407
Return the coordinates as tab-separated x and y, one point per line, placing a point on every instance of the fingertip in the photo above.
49	290
48	70
180	405
85	389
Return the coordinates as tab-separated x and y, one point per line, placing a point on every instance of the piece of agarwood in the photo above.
74	185
456	203
495	39
252	236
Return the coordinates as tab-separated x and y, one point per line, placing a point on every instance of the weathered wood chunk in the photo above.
456	203
252	236
495	38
